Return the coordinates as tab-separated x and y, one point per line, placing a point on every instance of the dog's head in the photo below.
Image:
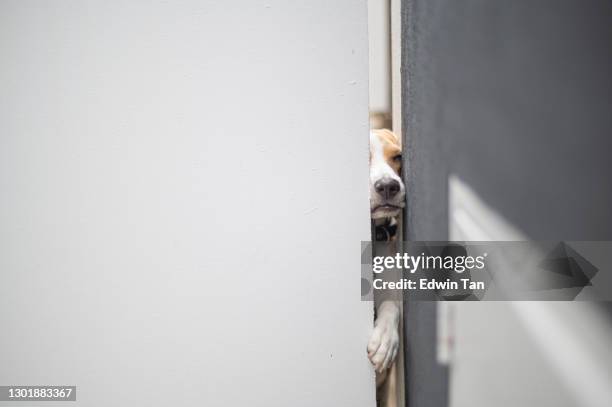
387	191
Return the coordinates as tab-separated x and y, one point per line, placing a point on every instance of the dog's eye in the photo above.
397	158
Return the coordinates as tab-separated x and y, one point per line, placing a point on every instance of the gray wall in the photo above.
184	187
514	98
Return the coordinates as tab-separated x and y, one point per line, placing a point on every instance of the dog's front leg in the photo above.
384	341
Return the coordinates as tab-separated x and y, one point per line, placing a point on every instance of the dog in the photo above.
387	199
387	191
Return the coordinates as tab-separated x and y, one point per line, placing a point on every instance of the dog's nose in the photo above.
387	187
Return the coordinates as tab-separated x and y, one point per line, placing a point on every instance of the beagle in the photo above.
387	190
387	198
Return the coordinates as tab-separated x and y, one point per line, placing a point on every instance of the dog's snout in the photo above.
387	187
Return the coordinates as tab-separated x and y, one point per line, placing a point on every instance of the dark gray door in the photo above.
516	99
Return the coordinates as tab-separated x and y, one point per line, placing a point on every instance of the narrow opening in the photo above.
387	191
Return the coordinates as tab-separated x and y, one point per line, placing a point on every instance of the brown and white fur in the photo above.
387	193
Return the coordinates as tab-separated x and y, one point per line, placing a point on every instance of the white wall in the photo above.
184	189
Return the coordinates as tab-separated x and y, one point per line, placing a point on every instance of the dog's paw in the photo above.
383	344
